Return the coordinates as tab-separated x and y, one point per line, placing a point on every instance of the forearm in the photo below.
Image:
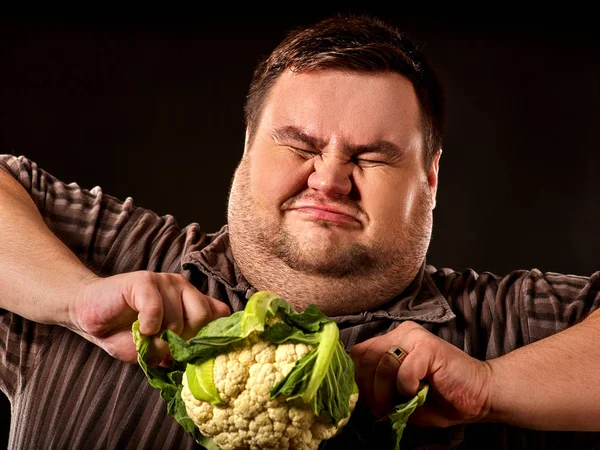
39	275
552	384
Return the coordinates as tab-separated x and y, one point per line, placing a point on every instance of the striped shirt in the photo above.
66	393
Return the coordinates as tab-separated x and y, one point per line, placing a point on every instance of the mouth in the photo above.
327	213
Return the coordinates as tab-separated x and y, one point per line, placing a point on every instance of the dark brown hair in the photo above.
355	43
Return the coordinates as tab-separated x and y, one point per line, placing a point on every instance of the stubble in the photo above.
359	277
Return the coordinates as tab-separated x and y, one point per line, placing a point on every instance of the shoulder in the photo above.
527	282
447	279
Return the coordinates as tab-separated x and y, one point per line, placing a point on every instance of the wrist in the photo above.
78	295
483	401
500	388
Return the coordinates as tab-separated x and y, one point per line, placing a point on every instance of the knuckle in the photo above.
361	353
145	277
181	278
408	325
427	345
176	279
201	318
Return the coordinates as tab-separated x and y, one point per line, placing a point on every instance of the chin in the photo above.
315	237
325	250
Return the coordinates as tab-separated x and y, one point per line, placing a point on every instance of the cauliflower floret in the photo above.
249	419
301	418
199	411
229	375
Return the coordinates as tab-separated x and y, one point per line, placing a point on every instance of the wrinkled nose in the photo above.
331	176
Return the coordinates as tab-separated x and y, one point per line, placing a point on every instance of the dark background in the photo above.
148	104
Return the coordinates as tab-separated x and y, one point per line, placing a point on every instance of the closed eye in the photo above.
306	154
367	162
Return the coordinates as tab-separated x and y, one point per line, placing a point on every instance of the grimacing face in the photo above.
332	204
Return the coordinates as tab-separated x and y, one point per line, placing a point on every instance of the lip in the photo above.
328	213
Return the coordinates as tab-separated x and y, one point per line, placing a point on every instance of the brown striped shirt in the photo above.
67	393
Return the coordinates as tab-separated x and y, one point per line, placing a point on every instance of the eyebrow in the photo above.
382	147
292	133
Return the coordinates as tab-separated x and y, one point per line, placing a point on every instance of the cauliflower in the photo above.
248	418
267	377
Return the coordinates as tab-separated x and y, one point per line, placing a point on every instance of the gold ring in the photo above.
397	353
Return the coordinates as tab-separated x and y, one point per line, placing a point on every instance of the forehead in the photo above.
355	107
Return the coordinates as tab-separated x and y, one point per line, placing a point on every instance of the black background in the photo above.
148	104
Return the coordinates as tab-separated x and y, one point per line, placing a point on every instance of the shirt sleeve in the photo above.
495	315
108	235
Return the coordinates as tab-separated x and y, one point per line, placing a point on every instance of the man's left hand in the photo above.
459	387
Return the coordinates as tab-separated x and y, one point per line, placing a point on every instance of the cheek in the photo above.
276	177
390	204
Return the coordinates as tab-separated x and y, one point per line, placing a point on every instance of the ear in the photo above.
433	176
246	137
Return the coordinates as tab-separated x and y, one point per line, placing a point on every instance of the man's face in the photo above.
333	184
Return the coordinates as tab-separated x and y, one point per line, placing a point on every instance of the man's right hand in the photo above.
107	308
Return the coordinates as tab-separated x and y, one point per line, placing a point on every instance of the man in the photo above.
331	204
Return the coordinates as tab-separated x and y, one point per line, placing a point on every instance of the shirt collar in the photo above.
420	301
216	260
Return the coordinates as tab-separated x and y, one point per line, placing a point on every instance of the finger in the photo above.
171	293
382	343
172	319
414	369
119	345
199	310
366	357
148	302
384	385
364	361
219	309
158	352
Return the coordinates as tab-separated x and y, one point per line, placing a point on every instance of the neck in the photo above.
333	296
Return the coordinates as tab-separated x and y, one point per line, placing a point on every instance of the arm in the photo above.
550	383
106	234
41	279
38	273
